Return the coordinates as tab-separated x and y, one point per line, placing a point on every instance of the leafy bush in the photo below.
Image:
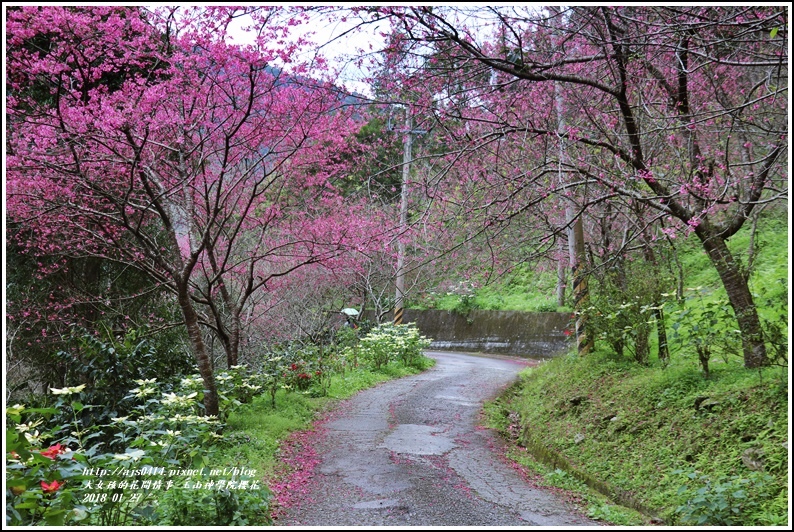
707	327
625	301
723	501
389	342
107	366
220	506
52	474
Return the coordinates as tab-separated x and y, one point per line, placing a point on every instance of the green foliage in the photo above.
464	305
623	299
724	501
222	507
561	479
707	327
388	342
774	323
53	300
632	427
298	366
163	431
614	514
108	366
525	289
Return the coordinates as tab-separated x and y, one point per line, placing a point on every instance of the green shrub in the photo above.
724	501
388	342
108	365
52	468
221	507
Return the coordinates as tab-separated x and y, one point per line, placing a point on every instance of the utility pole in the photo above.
407	155
407	146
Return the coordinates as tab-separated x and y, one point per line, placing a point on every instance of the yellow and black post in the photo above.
400	295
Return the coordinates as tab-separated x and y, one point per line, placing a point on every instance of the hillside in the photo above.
681	447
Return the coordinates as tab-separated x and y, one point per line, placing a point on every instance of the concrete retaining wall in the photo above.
530	334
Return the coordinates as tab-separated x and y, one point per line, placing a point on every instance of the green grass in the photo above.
769	279
666	440
632	427
525	289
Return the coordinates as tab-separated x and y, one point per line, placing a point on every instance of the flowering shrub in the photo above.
388	342
57	482
301	375
235	386
107	365
297	367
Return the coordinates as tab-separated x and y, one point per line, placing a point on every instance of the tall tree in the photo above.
203	166
683	109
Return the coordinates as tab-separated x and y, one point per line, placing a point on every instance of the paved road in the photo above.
409	452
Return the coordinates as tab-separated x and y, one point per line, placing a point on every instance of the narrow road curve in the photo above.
409	452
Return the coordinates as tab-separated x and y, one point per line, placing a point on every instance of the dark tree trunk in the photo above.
661	332
739	296
233	352
641	346
199	351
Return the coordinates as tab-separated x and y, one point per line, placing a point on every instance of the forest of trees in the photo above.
186	217
160	179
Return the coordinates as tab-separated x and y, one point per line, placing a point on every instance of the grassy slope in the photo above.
525	289
638	432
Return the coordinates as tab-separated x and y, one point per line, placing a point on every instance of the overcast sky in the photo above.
333	43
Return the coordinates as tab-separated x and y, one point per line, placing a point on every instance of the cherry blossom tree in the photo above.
682	109
144	138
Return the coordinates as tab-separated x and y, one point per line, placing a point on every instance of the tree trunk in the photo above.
641	346
739	296
232	355
581	295
658	313
561	281
661	332
199	351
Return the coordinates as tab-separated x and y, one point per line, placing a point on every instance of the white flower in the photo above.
32	437
190	381
142	392
132	455
170	398
27	427
67	391
178	400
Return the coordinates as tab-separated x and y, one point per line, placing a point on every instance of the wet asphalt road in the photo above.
409	452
